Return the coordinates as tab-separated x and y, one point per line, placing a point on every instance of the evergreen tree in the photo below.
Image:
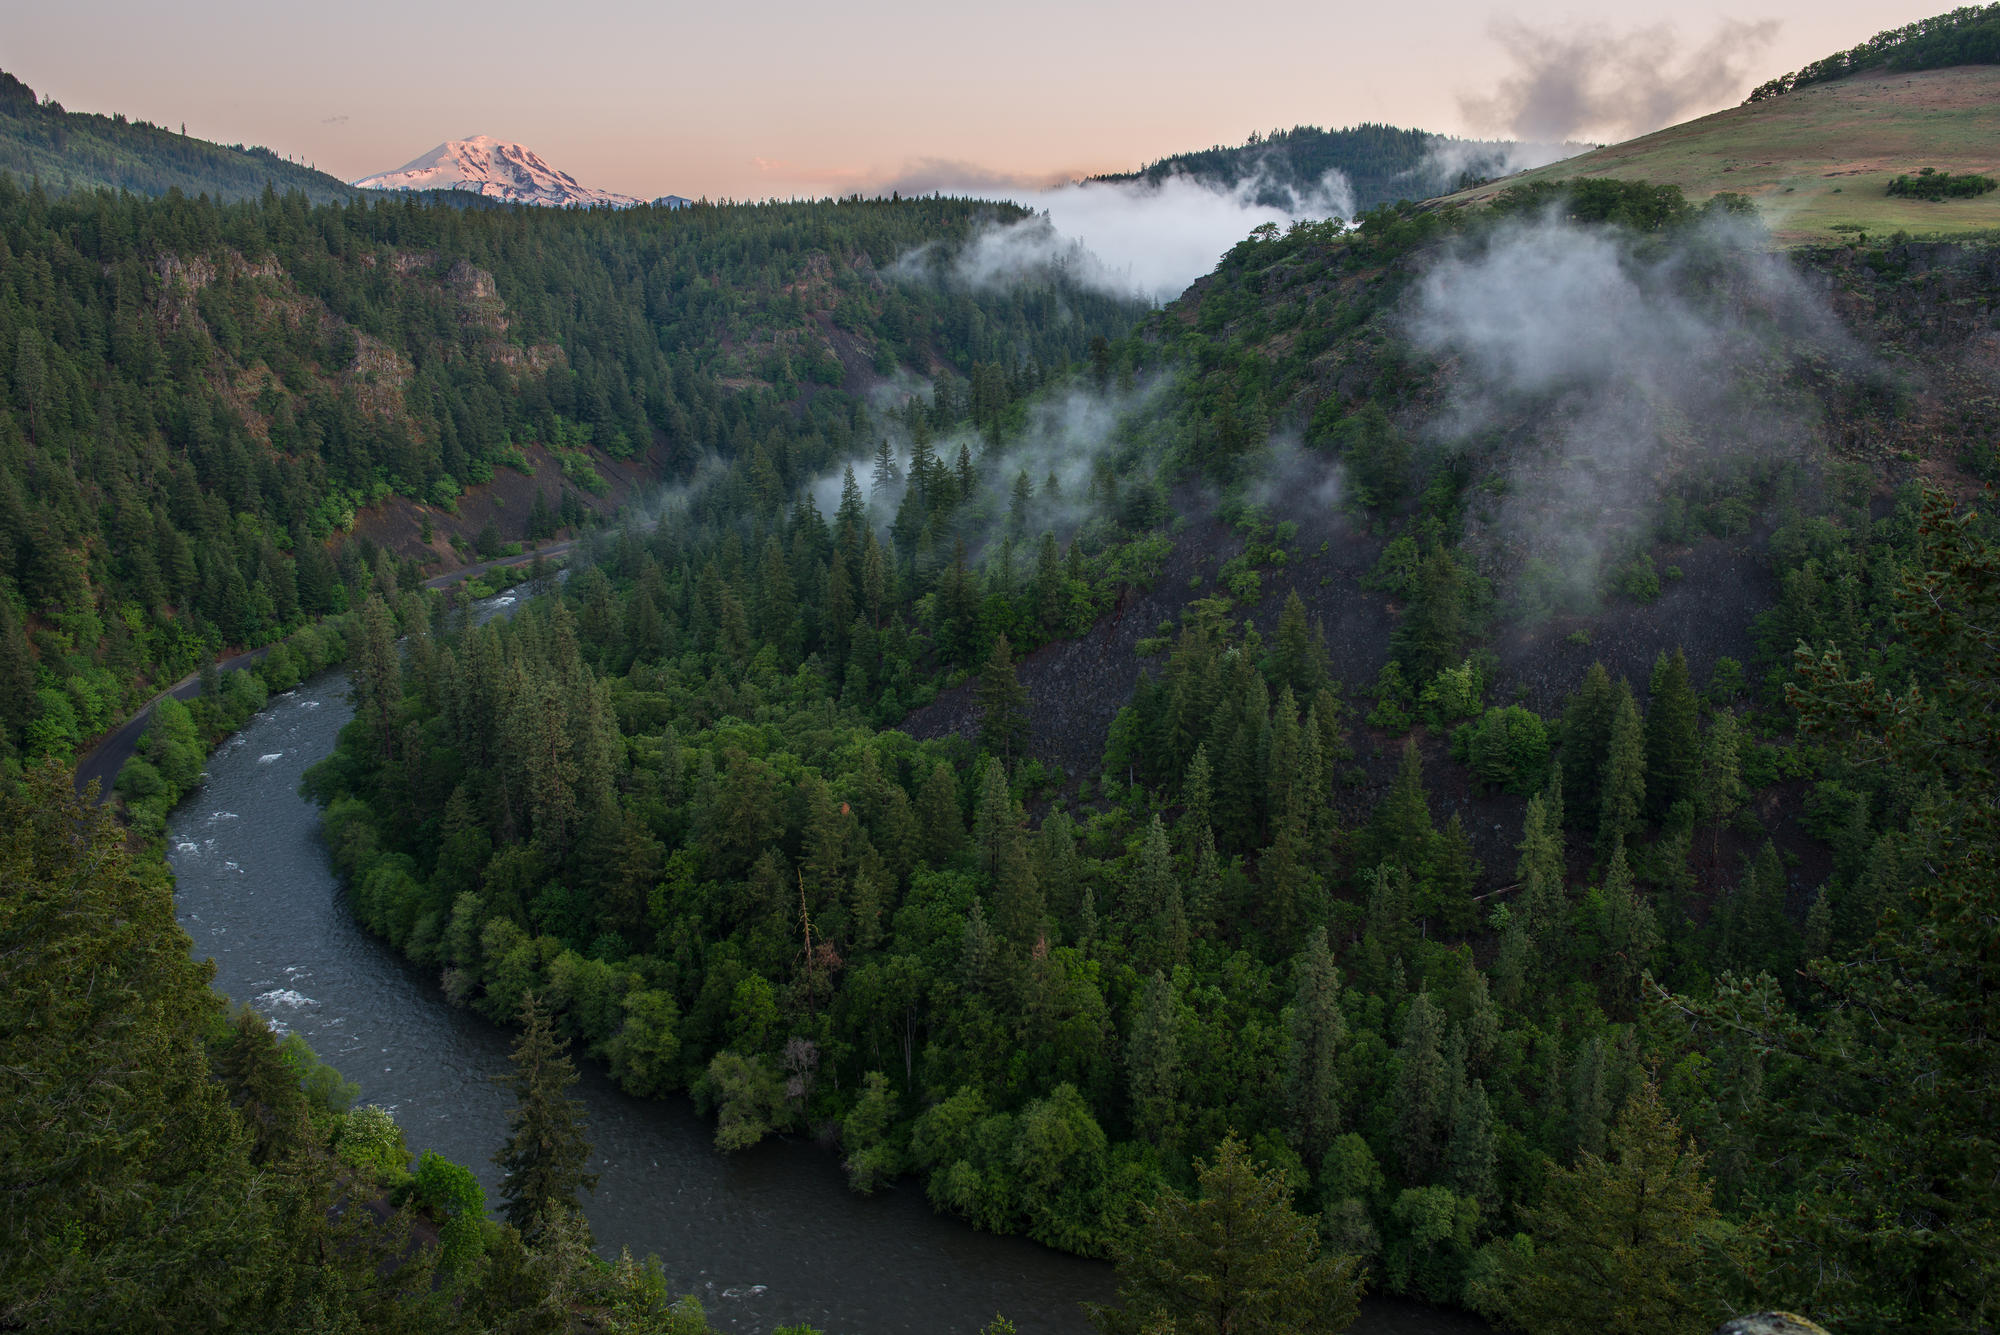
1298	655
376	671
1589	1110
1236	1260
1315	1031
1623	793
887	478
1542	908
941	827
1618	1240
1422	1092
1628	927
266	1090
1400	830
1673	735
1719	785
1153	1061
1003	705
111	1127
543	1159
1434	626
1586	740
1471	1158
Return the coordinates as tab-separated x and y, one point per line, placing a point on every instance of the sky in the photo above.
790	98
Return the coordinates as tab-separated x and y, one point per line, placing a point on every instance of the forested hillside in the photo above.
70	150
1969	35
1585	855
200	399
1381	163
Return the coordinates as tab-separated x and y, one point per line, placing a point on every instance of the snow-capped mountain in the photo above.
493	168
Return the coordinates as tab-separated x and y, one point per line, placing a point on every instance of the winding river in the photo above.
764	1238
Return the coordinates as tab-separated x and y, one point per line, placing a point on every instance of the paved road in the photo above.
101	766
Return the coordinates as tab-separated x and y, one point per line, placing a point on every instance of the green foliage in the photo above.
1880	1082
1932	184
454	1195
1507	748
542	1161
1968	35
1617	1243
1235	1260
69	150
368	1139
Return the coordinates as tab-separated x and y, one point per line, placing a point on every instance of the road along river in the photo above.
766	1237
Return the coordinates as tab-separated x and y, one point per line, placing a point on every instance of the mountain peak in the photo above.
496	169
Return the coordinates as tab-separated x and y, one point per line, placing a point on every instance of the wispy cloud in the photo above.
1587	80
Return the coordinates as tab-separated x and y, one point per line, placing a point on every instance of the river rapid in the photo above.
767	1237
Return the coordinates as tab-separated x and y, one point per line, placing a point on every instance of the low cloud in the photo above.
1066	435
1453	164
1588	80
1609	364
1129	238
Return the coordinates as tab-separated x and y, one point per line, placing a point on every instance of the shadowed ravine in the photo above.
766	1237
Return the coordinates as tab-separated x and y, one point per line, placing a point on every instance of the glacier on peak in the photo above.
497	169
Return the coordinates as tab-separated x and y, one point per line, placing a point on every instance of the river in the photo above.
766	1237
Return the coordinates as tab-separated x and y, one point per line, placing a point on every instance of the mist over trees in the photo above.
1507	944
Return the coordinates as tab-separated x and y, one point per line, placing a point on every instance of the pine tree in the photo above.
1298	656
376	671
1153	1060
1000	834
1434	625
1400	830
1017	506
1673	735
887	478
1542	908
1454	875
1471	1158
1003	705
1623	793
941	826
1196	801
1236	1260
266	1090
1719	785
1589	1098
543	1159
1618	1240
1315	1030
1586	740
1628	927
1422	1095
1048	607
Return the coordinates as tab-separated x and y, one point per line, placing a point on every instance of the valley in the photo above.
1436	777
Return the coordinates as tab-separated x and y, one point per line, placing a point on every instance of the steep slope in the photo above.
68	151
1818	160
493	169
205	403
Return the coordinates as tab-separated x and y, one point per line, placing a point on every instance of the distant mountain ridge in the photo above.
68	150
501	170
1382	163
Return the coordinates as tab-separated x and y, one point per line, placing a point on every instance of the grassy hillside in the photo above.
68	151
1818	161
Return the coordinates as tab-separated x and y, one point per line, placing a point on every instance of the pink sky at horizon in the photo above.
652	99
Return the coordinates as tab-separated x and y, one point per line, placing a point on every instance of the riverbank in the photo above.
108	757
766	1237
